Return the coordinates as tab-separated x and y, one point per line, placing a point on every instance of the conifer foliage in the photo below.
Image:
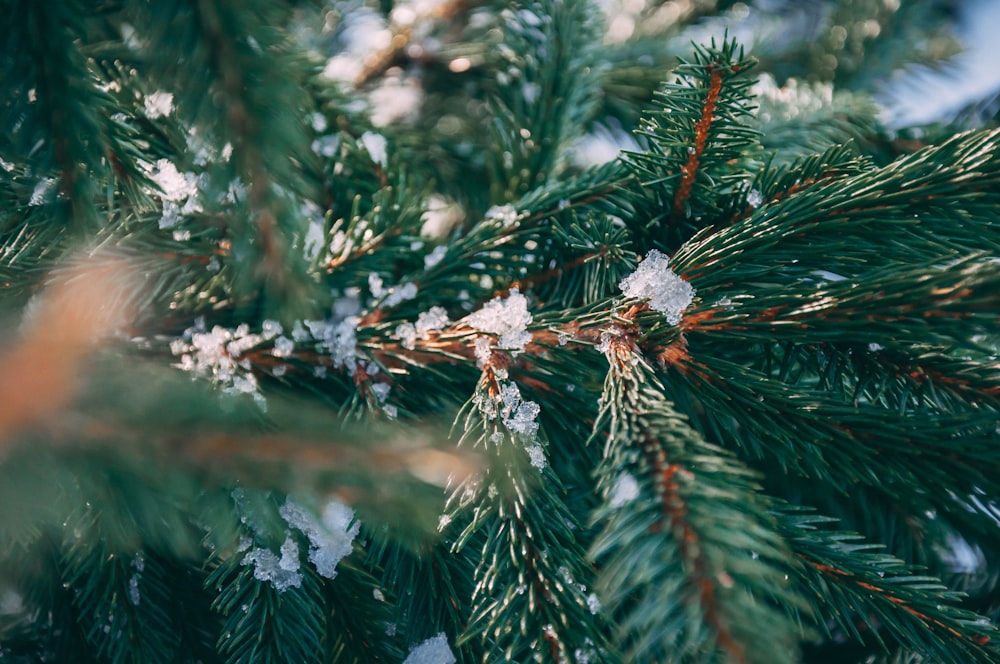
324	344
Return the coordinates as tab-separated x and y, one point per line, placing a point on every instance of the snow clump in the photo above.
508	318
667	292
329	541
434	650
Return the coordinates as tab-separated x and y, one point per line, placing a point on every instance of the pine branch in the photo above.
695	138
876	598
682	519
545	94
123	601
530	594
235	57
57	111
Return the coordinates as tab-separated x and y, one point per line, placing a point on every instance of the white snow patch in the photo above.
654	280
593	603
506	214
158	104
283	573
440	217
626	490
434	318
520	416
537	456
407	334
329	541
395	100
434	650
375	144
509	318
435	257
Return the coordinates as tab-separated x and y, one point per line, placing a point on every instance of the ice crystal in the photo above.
754	198
537	456
381	391
283	573
329	541
654	280
175	185
518	415
434	650
216	354
509	318
138	564
483	349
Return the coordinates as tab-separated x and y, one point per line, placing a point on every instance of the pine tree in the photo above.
326	342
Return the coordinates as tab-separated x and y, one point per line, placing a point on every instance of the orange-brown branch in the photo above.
675	509
843	575
690	170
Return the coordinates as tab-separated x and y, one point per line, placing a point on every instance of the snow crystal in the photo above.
537	456
375	145
400	293
283	573
138	564
505	214
625	491
434	650
605	345
325	146
435	257
443	522
158	104
381	391
593	603
518	415
216	354
283	347
407	334
337	338
176	186
654	280
754	198
875	347
434	318
376	285
299	333
329	541
483	350
508	318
